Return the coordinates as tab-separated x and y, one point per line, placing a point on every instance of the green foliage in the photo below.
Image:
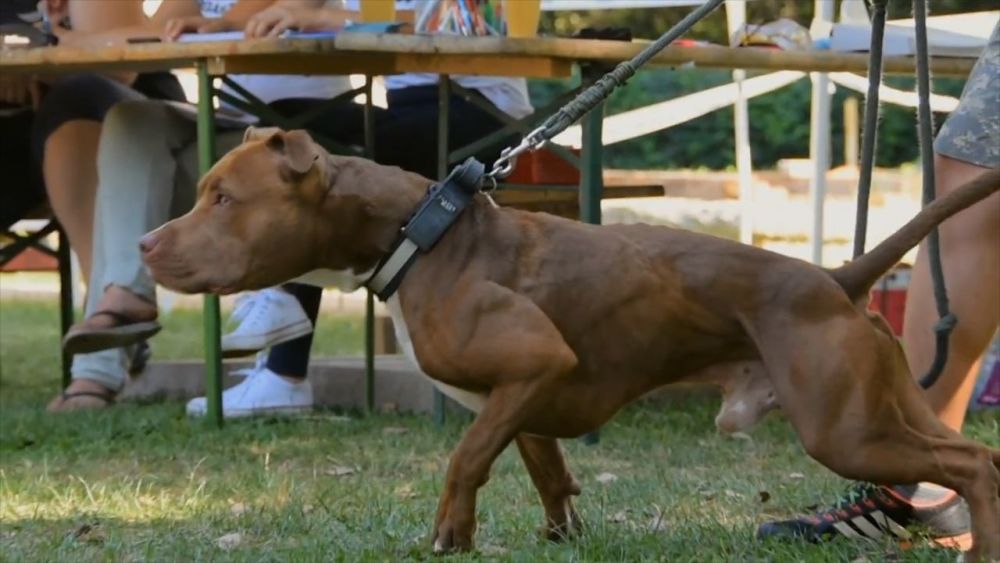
779	121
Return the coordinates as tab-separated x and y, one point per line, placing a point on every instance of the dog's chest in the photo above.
468	399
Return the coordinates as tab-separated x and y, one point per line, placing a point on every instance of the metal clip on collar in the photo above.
508	157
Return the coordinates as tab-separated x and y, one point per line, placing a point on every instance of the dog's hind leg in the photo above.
556	486
847	391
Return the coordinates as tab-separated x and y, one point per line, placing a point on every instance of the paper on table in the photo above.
238	36
375	27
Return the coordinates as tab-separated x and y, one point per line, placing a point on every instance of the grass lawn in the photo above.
144	483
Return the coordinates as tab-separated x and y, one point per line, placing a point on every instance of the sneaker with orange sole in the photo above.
873	512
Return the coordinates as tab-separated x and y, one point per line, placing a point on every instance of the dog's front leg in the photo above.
556	486
494	428
515	351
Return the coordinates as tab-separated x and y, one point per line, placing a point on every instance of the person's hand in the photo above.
275	20
196	24
19	90
56	10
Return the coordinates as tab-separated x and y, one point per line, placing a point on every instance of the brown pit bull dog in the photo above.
547	327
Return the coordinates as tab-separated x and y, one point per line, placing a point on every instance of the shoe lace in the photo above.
853	501
251	302
258	368
856	494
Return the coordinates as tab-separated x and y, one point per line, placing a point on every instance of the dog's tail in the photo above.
858	276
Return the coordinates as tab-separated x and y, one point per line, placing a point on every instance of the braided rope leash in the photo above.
596	93
946	320
870	137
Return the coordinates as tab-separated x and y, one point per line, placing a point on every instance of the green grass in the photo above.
143	483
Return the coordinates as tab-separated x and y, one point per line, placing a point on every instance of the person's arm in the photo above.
109	22
236	18
304	15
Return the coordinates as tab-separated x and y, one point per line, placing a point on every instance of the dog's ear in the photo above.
257	133
297	147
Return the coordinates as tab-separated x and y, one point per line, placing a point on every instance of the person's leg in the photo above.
137	171
70	171
407	137
291	359
971	262
65	134
967	145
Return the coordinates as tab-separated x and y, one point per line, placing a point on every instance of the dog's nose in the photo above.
148	242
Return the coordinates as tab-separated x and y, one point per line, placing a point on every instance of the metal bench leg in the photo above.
65	298
212	323
369	297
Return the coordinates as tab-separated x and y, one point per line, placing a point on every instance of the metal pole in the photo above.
65	298
819	153
444	97
591	178
819	132
369	297
736	15
206	157
592	171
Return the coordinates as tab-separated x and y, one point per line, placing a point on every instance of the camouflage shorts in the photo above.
972	132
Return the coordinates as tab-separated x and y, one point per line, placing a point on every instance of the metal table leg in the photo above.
206	157
444	96
591	184
370	297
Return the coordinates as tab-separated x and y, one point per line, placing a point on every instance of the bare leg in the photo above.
70	170
969	243
544	459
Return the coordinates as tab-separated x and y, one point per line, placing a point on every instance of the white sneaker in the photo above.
262	392
266	318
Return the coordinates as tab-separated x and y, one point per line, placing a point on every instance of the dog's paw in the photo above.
448	539
568	526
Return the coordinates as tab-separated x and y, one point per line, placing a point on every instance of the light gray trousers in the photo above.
147	169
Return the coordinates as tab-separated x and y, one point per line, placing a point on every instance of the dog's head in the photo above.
276	207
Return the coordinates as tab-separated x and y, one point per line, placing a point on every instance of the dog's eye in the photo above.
222	199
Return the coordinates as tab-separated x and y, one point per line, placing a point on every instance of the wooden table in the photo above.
379	54
393	53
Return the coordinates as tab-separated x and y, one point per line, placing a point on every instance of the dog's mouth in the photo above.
177	276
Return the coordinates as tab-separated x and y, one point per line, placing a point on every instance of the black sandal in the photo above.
126	332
